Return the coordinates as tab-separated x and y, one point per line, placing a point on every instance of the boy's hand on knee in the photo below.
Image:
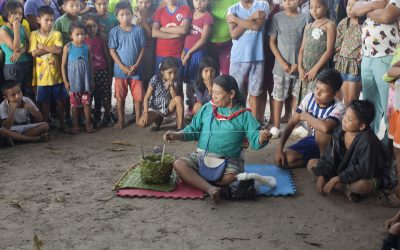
320	184
279	158
331	184
395	229
392	221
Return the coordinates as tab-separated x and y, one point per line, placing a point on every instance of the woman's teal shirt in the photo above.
227	136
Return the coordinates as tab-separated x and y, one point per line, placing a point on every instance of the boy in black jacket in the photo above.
355	162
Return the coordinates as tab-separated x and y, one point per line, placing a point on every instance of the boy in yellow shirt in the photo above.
46	45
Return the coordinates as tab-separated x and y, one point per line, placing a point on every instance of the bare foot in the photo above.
119	126
44	137
353	197
214	193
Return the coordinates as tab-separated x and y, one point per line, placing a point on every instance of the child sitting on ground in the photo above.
126	44
355	162
323	112
15	112
161	97
204	82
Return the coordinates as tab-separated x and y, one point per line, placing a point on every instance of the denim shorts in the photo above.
350	78
307	147
56	92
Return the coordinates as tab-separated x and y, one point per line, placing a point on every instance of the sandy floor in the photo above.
62	192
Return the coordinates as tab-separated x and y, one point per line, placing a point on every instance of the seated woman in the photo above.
220	127
355	162
204	82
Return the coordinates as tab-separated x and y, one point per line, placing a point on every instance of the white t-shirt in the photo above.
21	115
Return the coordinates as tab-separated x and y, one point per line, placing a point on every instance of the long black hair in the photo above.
167	63
206	62
10	7
228	83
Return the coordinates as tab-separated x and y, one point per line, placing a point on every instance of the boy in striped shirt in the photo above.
323	113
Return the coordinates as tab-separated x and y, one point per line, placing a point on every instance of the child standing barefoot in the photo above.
102	75
348	55
15	113
161	97
316	48
126	44
77	73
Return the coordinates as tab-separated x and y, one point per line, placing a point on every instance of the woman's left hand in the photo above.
264	136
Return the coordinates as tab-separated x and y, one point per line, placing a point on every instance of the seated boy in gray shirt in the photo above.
15	112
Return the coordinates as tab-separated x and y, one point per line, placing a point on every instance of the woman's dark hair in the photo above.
330	77
228	83
364	110
76	25
167	63
10	8
206	62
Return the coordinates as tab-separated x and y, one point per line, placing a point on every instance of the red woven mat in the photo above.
182	191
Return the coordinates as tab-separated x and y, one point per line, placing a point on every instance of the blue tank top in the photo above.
8	51
75	53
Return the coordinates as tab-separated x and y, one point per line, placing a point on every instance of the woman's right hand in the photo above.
171	136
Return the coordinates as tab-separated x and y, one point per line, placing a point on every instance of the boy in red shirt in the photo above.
171	24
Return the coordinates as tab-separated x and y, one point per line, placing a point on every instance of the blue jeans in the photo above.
375	89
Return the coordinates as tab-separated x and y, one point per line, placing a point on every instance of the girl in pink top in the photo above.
195	46
102	75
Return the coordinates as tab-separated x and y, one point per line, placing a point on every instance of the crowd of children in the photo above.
310	58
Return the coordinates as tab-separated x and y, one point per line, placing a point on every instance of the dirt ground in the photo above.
61	192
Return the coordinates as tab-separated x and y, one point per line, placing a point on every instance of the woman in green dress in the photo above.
221	128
